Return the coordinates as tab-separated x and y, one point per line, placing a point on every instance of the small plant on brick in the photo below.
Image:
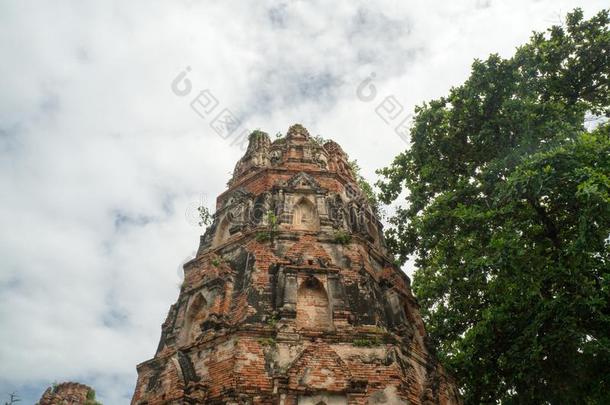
343	237
216	262
272	220
205	216
318	139
263	236
368	194
272	229
257	133
91	398
267	342
366	342
273	320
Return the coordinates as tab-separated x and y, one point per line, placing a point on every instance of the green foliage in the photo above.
272	228
91	398
319	140
205	217
215	262
366	188
256	134
273	320
366	342
343	237
508	216
272	220
267	342
263	236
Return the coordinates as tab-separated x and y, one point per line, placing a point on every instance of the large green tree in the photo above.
507	215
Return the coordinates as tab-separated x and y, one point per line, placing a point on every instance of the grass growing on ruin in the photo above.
267	342
366	342
343	237
273	320
272	229
91	398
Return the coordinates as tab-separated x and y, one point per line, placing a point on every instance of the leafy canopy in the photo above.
507	214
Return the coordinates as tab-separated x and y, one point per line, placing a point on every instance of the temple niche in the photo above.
313	307
304	215
196	314
223	231
293	298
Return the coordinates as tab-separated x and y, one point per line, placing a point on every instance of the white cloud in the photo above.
99	160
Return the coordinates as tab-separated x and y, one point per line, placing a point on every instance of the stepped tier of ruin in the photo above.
293	297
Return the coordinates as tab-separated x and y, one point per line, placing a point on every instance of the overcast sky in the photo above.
102	164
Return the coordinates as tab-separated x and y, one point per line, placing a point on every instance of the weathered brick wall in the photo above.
296	312
68	393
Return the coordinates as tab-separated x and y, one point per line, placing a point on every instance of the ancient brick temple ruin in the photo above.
293	298
68	393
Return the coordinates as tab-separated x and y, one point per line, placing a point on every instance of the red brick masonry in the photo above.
68	393
293	298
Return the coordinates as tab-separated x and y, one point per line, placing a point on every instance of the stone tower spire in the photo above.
292	298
